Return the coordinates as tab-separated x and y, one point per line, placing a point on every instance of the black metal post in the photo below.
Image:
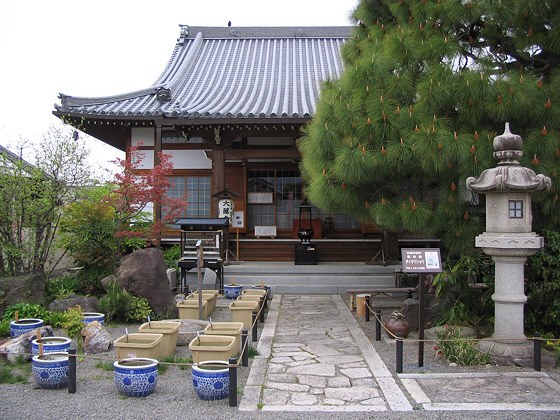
71	371
254	324
261	305
368	297
233	382
537	352
245	350
378	325
421	321
399	346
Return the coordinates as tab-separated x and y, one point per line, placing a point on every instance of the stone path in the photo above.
313	356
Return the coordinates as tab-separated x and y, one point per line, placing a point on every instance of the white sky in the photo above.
106	47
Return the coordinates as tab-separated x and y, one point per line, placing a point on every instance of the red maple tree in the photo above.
134	189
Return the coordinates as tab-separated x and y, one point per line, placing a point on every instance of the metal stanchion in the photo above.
244	345
254	324
368	299
399	352
378	325
71	371
537	352
233	382
261	305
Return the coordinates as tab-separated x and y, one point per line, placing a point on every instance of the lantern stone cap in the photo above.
523	243
508	175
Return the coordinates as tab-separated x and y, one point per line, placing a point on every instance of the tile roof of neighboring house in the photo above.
216	73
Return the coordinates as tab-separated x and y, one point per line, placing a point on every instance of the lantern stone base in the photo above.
509	354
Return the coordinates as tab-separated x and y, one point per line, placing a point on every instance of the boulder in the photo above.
87	303
21	346
29	289
409	309
96	338
188	330
143	274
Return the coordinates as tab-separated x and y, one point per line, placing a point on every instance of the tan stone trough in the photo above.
212	347
138	345
210	295
188	308
170	332
232	329
258	292
242	311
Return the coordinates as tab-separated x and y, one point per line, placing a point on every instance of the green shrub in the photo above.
464	353
138	310
4	328
115	303
25	310
90	279
73	324
61	287
542	311
171	256
56	319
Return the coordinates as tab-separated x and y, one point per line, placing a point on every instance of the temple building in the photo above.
229	106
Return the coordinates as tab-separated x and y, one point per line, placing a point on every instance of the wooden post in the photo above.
421	321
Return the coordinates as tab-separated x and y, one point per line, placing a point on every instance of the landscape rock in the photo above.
87	303
29	289
21	346
188	330
143	274
409	309
96	338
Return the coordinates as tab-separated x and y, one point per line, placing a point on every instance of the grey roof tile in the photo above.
218	73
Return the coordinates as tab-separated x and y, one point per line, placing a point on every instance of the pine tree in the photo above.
427	86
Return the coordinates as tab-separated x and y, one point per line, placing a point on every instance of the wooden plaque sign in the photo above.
421	260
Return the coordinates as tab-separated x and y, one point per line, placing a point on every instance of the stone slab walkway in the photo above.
314	357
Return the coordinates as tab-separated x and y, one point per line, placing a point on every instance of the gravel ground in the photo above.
174	398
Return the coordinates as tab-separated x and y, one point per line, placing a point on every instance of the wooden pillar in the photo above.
219	170
157	151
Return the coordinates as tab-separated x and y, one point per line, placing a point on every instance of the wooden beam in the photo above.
242	154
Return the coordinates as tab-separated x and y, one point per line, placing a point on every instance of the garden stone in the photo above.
188	329
28	288
143	274
21	346
96	338
409	309
87	303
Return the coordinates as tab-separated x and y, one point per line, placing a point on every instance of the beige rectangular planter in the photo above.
208	295
170	332
258	292
242	311
232	329
138	345
212	347
188	308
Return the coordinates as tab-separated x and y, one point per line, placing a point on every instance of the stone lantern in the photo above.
508	239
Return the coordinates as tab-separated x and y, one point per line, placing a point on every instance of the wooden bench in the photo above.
375	292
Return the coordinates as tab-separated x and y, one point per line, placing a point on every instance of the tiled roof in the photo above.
244	73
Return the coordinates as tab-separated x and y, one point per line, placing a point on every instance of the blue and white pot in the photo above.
50	370
231	291
51	344
23	326
211	382
137	376
89	317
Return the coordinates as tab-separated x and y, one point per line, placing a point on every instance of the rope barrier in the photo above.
412	340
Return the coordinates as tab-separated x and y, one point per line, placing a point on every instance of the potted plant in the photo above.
211	379
397	324
136	377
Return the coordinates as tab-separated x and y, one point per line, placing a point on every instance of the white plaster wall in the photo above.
148	161
142	134
189	159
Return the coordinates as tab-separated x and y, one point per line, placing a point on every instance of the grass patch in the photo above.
8	377
252	352
104	365
173	359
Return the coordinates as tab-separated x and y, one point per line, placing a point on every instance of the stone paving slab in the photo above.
484	391
314	361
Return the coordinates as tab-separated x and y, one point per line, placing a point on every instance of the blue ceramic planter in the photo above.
50	370
232	292
136	377
51	345
89	317
211	383
23	326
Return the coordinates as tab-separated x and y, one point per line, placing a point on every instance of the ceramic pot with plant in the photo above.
397	324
